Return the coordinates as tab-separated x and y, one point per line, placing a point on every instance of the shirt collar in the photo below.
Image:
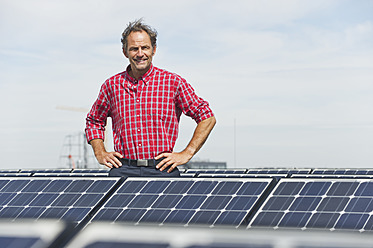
145	78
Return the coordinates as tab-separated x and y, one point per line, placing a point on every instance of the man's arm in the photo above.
109	159
200	135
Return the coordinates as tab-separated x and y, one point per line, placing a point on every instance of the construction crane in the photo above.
81	141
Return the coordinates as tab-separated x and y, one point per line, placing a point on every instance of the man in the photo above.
145	104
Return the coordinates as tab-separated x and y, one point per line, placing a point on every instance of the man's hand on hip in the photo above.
110	159
172	159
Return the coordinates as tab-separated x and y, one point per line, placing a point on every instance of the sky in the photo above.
290	81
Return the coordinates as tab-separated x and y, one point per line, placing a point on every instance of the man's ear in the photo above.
124	52
154	49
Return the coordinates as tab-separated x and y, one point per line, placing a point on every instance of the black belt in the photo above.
140	162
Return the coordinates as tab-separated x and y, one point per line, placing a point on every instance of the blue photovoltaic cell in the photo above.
183	201
43	198
318	203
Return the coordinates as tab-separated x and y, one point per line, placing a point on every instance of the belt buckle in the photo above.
142	162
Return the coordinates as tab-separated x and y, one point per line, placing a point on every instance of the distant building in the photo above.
204	165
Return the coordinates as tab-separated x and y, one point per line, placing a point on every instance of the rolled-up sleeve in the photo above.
97	116
191	104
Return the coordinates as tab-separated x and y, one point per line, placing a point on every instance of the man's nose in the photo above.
140	53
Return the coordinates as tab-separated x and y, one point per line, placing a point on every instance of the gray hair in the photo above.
138	26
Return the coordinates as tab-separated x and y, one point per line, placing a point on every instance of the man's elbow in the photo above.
213	120
210	122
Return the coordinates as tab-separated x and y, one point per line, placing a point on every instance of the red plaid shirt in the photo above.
145	113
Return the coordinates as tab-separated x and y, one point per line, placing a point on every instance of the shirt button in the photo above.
138	130
138	100
139	144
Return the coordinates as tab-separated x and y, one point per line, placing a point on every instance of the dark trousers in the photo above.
130	170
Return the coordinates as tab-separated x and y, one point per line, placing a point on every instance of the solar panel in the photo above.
185	201
318	203
344	171
90	171
278	171
188	174
69	174
15	174
104	235
45	171
43	198
217	171
9	171
28	234
213	175
344	176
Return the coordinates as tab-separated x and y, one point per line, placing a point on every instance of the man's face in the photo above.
139	52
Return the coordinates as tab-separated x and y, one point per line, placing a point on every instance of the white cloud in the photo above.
360	35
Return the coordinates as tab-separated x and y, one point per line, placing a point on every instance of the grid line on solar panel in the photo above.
183	201
43	198
332	204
